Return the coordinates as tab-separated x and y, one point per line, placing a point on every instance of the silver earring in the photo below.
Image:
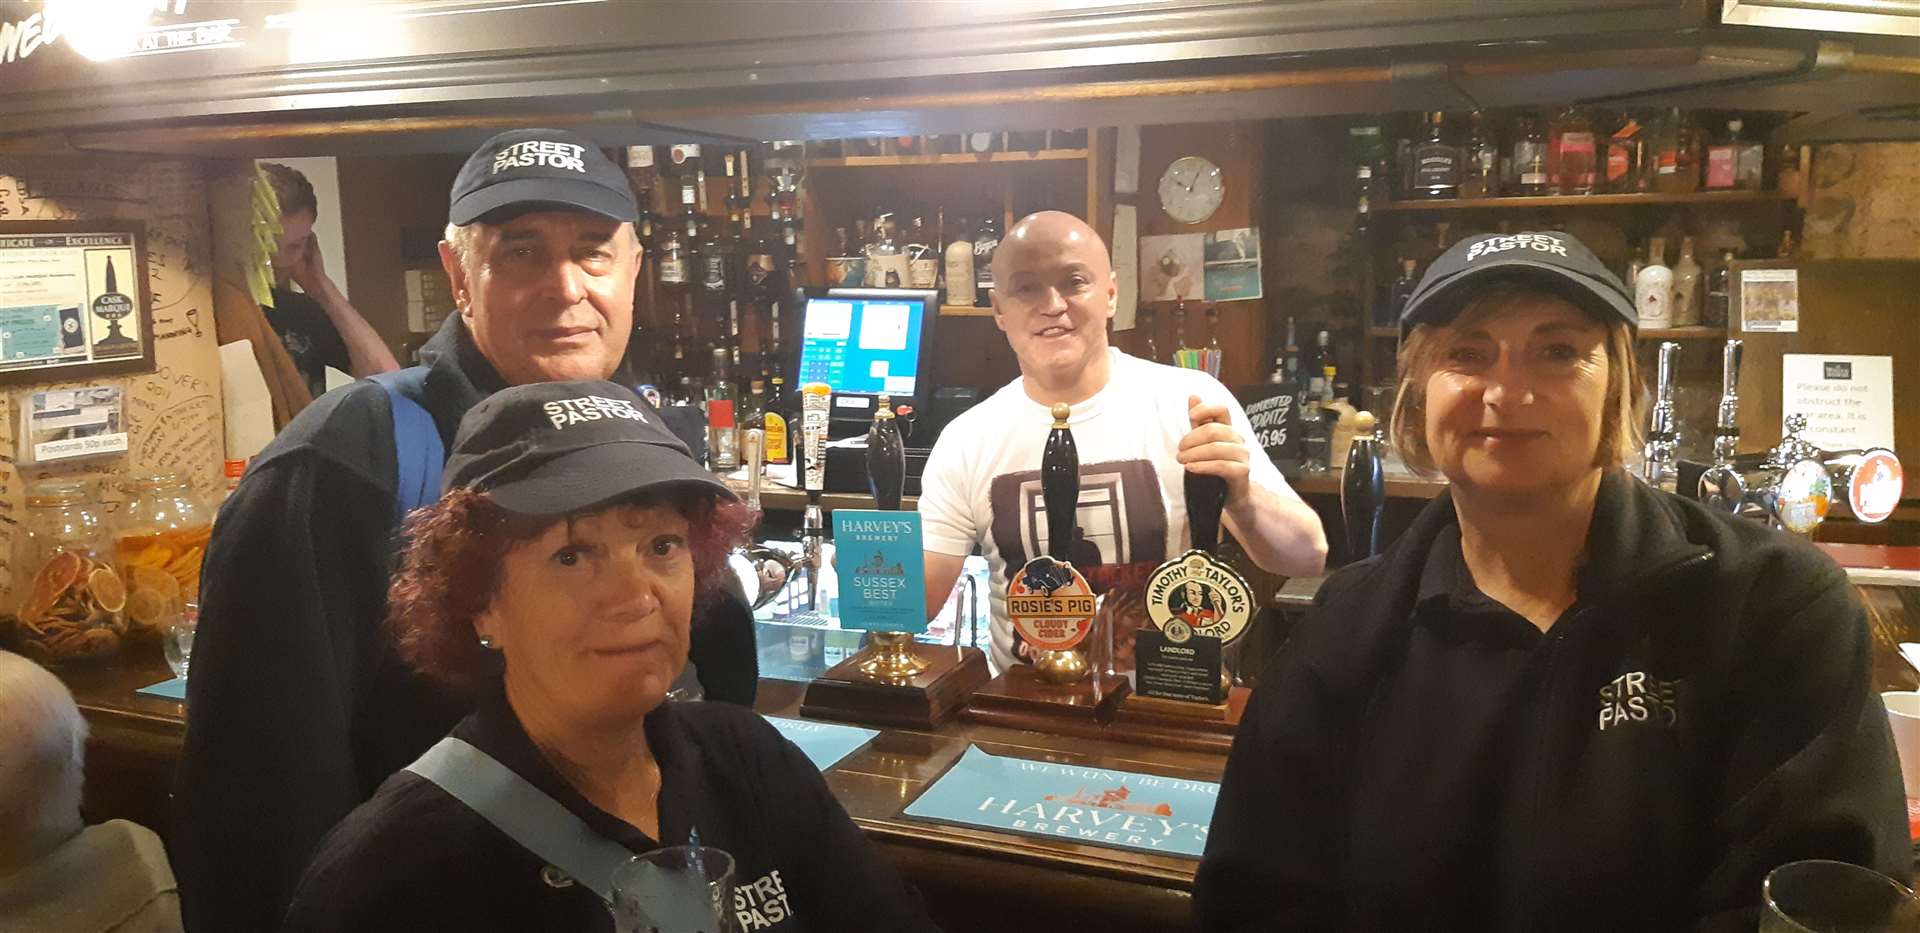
486	643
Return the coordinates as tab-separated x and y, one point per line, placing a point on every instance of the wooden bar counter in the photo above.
972	879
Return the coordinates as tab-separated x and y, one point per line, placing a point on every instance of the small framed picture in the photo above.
74	301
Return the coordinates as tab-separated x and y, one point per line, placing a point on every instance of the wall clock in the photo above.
1191	189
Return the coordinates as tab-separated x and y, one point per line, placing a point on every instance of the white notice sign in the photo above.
1848	400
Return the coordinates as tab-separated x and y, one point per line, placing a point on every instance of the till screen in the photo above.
862	345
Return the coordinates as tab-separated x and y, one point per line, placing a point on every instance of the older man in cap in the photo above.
298	706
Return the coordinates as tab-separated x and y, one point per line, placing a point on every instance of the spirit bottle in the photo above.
1436	172
1530	158
923	261
723	450
886	262
1480	174
1570	153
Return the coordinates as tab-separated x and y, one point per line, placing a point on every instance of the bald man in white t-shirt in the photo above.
1138	426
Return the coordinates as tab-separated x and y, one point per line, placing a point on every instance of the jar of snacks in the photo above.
70	601
160	542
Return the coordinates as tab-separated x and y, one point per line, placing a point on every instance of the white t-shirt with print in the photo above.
982	481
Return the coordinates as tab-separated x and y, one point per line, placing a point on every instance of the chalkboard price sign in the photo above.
1274	410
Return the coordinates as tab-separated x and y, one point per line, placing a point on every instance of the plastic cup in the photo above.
680	889
1820	896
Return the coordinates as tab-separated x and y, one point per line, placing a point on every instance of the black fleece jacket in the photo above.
415	860
1419	758
299	706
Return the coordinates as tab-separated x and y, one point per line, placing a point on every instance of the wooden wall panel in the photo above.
1239	149
382	201
1864	202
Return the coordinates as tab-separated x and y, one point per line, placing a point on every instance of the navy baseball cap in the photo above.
1552	262
527	170
556	448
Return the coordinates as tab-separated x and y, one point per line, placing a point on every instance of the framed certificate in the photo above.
74	301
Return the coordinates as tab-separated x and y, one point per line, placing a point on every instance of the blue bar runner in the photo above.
824	743
175	689
1094	806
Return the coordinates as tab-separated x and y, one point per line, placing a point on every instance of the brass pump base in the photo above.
890	657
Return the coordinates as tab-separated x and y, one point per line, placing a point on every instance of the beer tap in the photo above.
1723	486
1658	456
814	399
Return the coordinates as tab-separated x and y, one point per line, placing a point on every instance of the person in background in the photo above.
1562	699
555	583
317	324
58	875
1139	427
299	705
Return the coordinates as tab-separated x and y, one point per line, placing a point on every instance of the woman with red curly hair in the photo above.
556	582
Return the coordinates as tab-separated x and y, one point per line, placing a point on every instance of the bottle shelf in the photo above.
1581	200
1389	333
964	311
950	158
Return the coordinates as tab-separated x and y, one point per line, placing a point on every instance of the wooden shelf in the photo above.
964	311
1683	333
951	158
1391	333
1583	200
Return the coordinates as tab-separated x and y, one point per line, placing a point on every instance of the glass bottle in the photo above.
1436	172
1402	291
923	261
69	601
718	254
774	419
1620	171
1363	206
1480	174
958	267
1719	292
1721	159
1677	169
1530	157
1570	153
760	269
159	545
1653	288
886	263
1686	287
1749	160
723	438
984	243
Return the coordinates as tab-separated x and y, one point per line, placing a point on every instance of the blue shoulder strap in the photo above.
417	447
535	820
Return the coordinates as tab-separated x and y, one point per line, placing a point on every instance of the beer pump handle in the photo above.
886	459
1206	497
1060	485
1363	490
